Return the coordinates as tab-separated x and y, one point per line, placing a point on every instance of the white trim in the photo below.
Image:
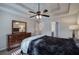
3	49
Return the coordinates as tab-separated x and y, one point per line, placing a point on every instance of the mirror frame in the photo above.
19	22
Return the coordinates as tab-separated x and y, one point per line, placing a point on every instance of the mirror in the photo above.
18	26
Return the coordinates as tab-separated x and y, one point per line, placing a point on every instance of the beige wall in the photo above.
64	23
6	27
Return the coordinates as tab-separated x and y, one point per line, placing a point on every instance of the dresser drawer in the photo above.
14	39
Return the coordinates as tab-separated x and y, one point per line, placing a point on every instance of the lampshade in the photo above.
73	27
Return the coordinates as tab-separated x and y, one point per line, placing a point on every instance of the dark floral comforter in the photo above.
47	45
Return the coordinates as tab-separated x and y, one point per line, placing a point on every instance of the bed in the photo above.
47	45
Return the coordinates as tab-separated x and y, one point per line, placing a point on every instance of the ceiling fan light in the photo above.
38	16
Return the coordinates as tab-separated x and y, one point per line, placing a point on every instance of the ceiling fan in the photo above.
38	14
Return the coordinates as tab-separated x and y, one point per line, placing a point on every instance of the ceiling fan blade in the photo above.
45	11
32	12
45	15
32	16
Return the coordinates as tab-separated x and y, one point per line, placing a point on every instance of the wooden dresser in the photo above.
15	40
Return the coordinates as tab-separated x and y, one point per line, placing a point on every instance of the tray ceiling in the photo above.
54	9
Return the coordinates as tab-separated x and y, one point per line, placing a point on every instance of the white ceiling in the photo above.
54	9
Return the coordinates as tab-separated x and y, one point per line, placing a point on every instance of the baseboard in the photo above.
3	49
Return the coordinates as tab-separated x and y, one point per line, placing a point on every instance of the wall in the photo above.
63	31
78	24
46	23
63	26
5	27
